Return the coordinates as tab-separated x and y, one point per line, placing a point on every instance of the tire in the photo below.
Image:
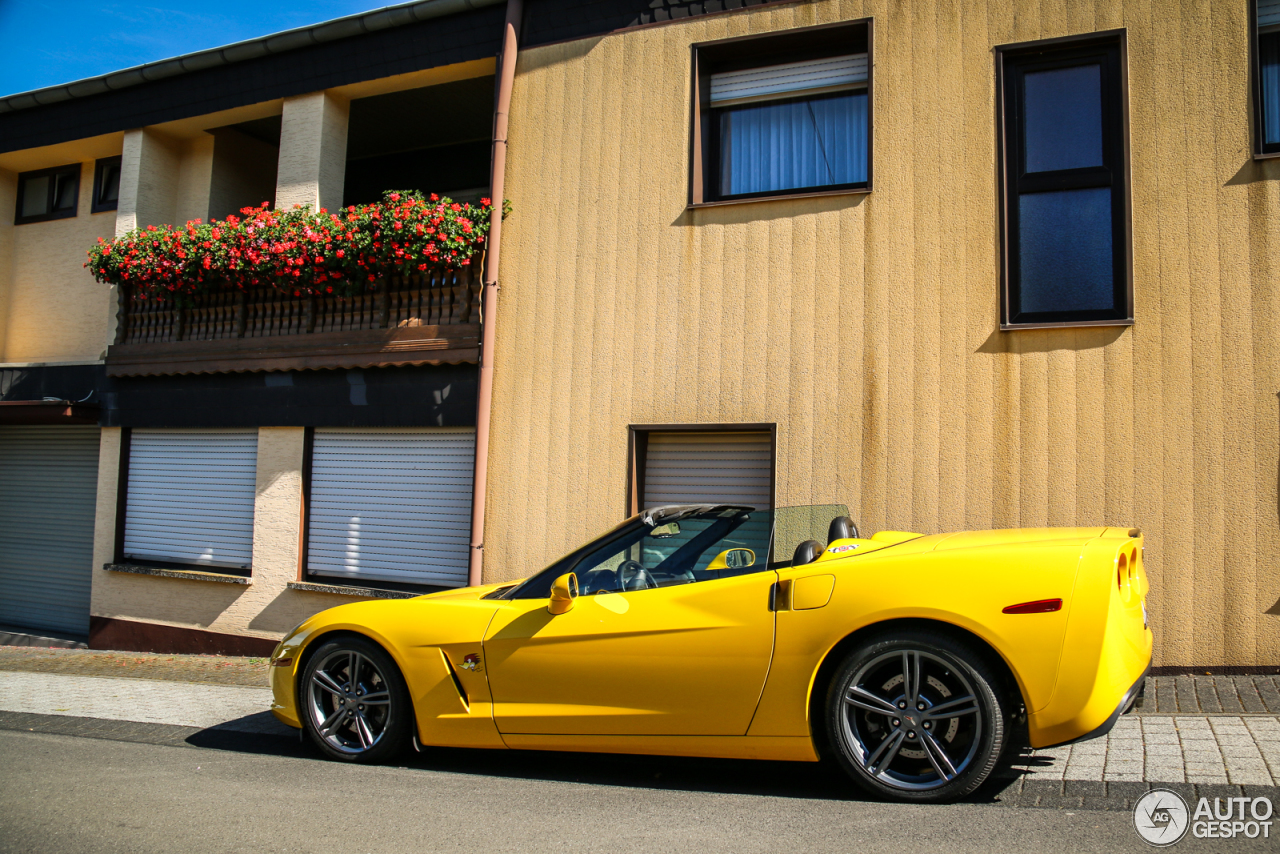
938	751
368	719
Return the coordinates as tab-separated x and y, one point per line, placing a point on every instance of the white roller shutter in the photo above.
709	468
190	496
791	78
392	505
48	492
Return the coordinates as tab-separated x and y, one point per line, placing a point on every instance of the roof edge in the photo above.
275	43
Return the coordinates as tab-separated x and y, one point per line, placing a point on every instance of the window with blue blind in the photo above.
784	114
1266	75
1065	212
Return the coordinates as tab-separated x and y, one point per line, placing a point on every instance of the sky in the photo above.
47	42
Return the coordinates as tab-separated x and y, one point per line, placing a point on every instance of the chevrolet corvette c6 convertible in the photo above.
695	630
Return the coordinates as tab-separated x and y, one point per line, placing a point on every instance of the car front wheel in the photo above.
916	717
354	701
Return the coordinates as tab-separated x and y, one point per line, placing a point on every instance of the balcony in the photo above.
430	319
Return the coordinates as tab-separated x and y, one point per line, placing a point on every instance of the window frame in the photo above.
23	177
99	170
1009	134
759	50
1261	150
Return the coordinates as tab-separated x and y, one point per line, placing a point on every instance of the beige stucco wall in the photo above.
866	327
264	608
53	309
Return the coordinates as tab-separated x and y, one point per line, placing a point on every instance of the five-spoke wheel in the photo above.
354	703
916	717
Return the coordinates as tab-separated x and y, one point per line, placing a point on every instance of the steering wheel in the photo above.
639	579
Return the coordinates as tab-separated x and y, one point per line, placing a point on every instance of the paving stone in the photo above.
1228	694
140	700
212	669
1269	691
1059	802
1037	788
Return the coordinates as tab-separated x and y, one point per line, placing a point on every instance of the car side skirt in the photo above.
781	748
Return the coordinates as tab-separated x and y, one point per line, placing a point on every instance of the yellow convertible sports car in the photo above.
725	631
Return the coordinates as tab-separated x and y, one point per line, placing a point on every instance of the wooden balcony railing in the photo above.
427	319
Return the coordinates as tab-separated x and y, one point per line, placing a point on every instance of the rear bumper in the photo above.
1126	704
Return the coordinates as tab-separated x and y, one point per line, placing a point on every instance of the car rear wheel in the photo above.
916	717
355	704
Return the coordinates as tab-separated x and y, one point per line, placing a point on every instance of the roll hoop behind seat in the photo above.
842	528
806	552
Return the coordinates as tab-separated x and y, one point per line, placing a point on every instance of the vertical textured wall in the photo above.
313	151
56	312
866	327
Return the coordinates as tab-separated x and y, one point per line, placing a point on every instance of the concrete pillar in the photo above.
8	203
150	175
313	151
195	179
104	520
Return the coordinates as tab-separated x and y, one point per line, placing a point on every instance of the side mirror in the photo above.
563	591
732	559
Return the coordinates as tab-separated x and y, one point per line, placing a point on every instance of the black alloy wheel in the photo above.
354	703
916	717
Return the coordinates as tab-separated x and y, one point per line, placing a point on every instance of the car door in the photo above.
687	657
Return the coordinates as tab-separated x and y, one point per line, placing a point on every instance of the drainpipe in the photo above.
489	303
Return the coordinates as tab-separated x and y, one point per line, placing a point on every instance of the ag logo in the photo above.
1161	817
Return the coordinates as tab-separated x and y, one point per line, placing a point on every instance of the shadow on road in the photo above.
817	781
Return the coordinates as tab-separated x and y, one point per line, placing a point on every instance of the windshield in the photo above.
659	552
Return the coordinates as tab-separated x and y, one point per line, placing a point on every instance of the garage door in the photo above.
391	505
709	468
190	497
48	490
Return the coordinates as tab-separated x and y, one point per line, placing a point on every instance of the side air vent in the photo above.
457	683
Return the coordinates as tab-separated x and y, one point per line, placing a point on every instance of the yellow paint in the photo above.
866	327
681	670
684	660
812	591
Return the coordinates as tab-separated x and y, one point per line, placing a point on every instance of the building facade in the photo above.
1020	270
865	334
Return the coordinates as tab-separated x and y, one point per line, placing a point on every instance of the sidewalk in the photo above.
1201	731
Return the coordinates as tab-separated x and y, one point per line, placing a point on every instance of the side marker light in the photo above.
282	662
1041	606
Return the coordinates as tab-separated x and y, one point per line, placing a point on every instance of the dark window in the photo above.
48	194
106	184
1265	22
783	114
1064	173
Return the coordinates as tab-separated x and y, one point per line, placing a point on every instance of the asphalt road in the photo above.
70	794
